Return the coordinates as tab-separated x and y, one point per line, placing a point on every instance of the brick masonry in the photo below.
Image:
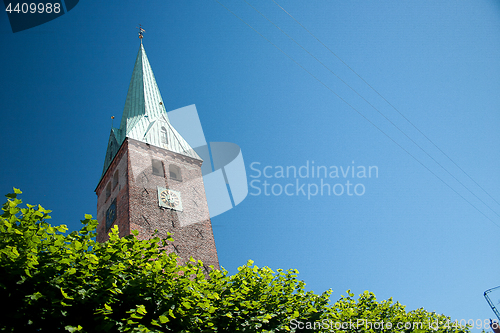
135	189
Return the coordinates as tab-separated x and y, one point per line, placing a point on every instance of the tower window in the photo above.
108	191
157	167
115	179
111	151
163	136
174	172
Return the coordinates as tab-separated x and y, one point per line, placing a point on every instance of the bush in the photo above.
56	282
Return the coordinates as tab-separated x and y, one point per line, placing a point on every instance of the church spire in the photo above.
144	115
152	182
143	98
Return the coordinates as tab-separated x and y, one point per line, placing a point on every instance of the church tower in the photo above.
152	178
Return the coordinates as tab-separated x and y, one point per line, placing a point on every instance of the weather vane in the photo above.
141	32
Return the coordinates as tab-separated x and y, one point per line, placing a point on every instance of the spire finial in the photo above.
141	32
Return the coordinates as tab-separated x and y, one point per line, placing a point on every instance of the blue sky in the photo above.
409	236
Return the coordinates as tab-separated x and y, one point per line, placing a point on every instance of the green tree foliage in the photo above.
52	281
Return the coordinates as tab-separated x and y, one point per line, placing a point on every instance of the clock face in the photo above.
111	215
169	199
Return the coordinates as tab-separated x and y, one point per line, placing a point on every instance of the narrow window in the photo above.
157	167
174	172
111	151
163	135
111	215
108	191
115	179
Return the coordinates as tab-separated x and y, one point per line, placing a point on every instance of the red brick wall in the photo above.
120	192
137	200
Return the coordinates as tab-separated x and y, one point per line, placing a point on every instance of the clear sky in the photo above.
408	235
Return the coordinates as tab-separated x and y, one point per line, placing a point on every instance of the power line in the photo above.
372	106
362	115
390	104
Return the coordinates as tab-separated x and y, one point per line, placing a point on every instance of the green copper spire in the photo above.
144	116
144	100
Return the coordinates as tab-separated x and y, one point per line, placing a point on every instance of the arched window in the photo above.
157	167
110	151
108	191
174	172
163	136
115	179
